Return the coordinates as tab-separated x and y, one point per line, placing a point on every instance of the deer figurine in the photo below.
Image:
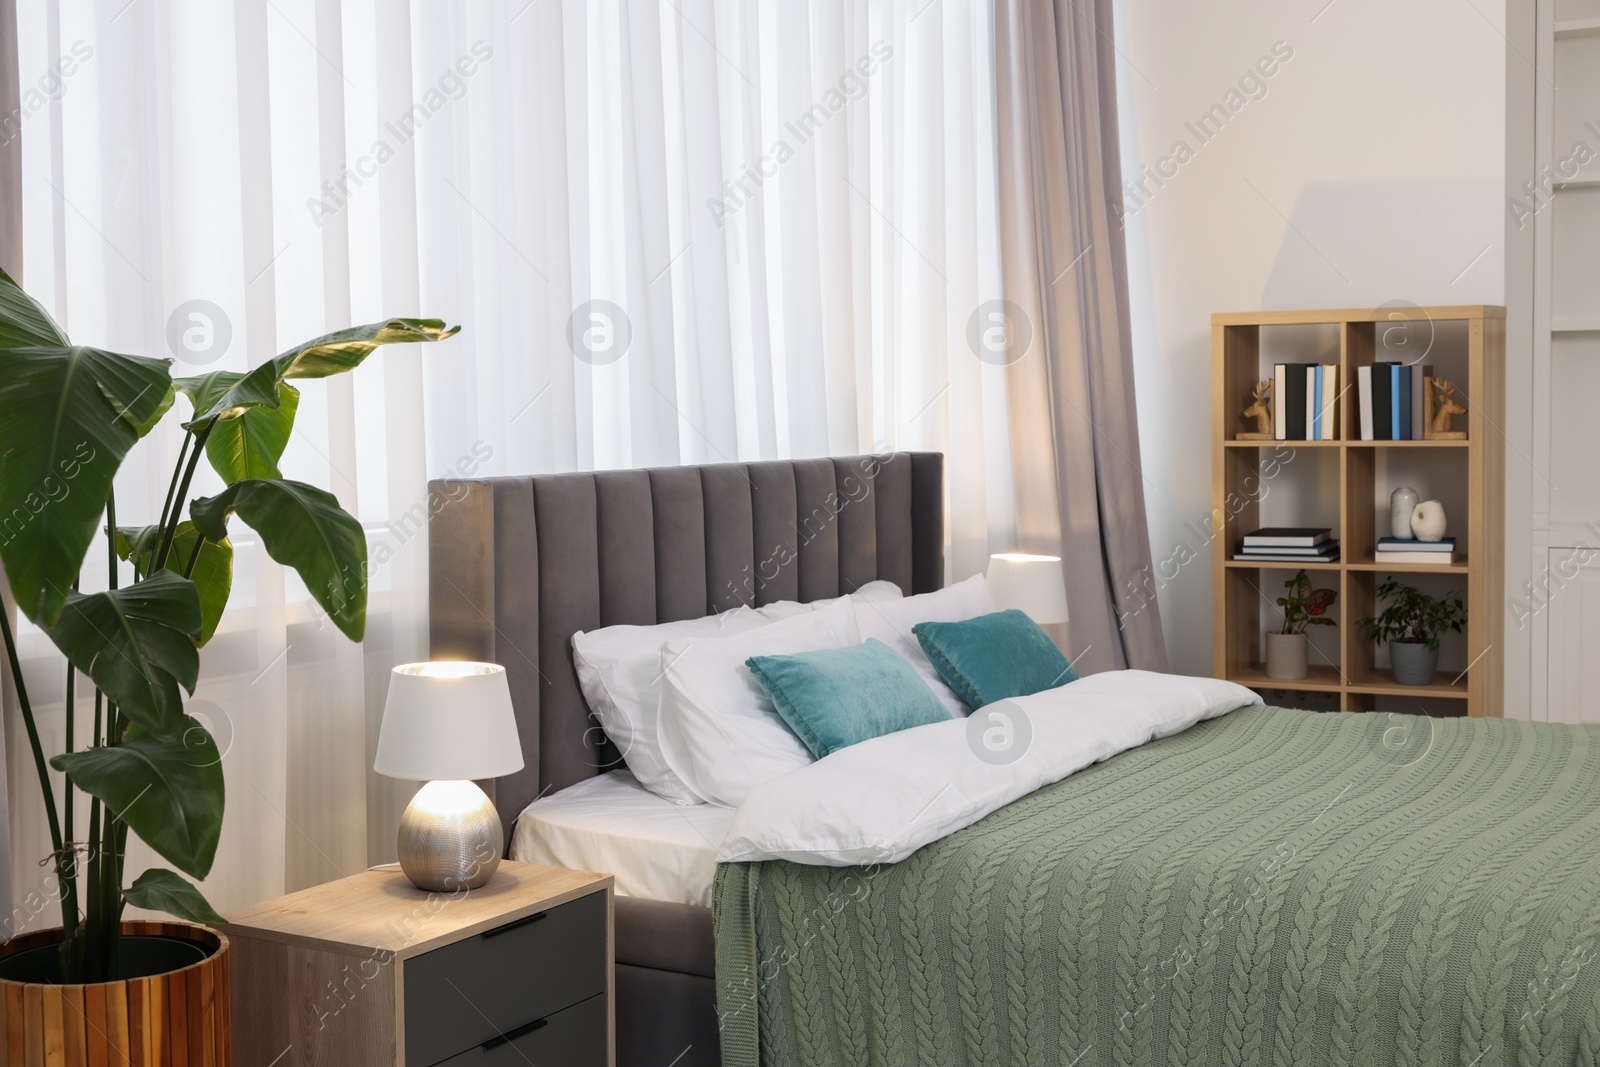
1441	407
1261	410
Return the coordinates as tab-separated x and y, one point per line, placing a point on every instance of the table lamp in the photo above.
1032	584
446	724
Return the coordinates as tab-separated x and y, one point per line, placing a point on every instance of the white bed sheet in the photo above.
656	849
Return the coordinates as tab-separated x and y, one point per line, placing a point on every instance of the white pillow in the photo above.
719	733
871	592
619	671
891	622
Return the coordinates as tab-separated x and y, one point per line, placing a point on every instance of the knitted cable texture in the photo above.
797	920
1373	800
920	919
843	982
877	948
1272	887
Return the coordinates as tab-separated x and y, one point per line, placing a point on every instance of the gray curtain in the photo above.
1074	437
11	261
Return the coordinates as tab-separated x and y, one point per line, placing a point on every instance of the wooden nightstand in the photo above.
371	970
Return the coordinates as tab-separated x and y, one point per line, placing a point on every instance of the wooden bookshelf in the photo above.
1243	592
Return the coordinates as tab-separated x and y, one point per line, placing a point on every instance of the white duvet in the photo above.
881	800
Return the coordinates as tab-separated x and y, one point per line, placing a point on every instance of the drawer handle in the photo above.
511	1035
519	924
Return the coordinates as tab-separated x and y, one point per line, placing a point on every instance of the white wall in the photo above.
1369	168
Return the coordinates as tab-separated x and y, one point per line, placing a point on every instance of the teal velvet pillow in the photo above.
839	696
994	657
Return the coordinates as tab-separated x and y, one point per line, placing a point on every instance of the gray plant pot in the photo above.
1286	656
1414	662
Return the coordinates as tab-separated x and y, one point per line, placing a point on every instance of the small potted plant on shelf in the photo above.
69	416
1303	606
1412	623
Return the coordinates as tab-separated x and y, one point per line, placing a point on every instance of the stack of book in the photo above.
1289	544
1391	397
1427	553
1305	401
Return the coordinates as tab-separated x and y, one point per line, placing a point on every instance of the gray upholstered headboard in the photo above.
518	565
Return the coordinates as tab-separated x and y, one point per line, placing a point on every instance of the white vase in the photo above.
1402	502
1286	656
1428	521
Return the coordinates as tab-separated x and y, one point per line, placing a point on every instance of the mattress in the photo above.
654	848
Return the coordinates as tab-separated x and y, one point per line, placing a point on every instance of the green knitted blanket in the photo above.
1272	887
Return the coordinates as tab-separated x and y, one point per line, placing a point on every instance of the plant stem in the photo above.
72	699
183	493
107	892
72	945
172	486
91	921
194	557
66	870
111	887
116	833
111	538
33	741
119	859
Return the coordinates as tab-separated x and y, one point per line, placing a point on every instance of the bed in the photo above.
519	564
1240	885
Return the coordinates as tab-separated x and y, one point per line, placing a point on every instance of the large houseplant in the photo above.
69	415
1412	623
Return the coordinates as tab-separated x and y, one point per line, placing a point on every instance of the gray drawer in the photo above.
462	995
575	1037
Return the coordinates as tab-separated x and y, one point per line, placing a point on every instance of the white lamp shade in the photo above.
1031	584
448	721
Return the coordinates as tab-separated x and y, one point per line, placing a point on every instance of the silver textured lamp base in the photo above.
450	837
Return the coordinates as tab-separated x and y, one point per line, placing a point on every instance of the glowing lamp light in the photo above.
1031	584
446	724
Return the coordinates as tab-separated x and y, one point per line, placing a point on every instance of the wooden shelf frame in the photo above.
1238	599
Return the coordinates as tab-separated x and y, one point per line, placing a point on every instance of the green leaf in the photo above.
226	393
170	793
344	350
250	443
144	428
302	527
213	572
161	890
68	417
24	323
138	645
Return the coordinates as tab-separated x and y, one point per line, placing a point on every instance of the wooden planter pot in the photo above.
179	1017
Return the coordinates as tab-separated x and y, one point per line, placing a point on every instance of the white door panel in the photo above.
1573	634
1574	388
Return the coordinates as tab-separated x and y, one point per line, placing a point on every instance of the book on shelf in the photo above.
1401	413
1277	556
1390	399
1364	401
1295	403
1439	559
1321	393
1280	418
1288	536
1322	549
1330	402
1396	544
1304	401
1313	408
1382	398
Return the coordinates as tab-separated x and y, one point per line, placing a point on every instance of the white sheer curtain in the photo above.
774	221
